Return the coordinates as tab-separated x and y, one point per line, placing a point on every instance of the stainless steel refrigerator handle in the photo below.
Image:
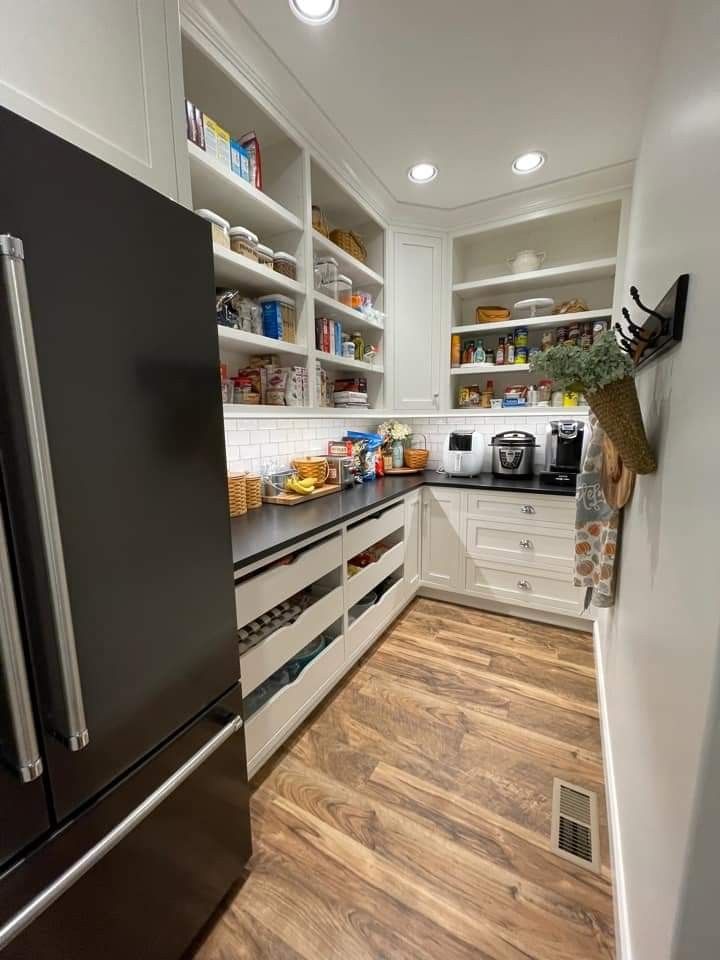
66	880
75	733
27	760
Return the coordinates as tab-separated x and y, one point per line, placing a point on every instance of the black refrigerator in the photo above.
123	788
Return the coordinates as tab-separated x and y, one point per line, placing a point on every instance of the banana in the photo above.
303	487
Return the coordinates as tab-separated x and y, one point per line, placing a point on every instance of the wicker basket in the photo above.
253	490
416	458
237	495
351	243
319	222
618	411
316	468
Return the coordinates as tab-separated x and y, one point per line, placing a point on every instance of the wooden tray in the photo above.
401	471
292	499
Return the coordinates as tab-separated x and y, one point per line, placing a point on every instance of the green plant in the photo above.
584	370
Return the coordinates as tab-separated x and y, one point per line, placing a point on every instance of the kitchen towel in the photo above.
596	527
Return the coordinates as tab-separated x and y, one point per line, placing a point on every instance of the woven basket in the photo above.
351	243
618	411
312	467
319	222
253	490
416	458
237	495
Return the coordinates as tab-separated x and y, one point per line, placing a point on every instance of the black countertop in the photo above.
260	533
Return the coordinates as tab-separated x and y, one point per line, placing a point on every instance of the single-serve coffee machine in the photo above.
565	444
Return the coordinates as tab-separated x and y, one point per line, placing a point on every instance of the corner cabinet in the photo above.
442	539
105	75
417	321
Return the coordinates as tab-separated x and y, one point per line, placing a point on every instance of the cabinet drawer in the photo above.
270	654
524	589
282	709
519	507
372	530
541	547
363	630
262	591
371	576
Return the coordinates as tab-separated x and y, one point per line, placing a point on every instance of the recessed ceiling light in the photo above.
422	172
528	162
315	12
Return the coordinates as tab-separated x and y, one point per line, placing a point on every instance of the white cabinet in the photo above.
416	319
413	506
442	541
103	74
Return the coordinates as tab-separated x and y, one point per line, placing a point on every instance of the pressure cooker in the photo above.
513	453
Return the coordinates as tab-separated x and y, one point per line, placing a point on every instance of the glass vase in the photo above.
398	454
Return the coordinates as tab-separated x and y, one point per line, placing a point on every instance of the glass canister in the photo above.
285	264
357	339
265	256
219	227
344	289
244	242
325	276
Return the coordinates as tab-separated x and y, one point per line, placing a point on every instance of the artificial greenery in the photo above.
584	371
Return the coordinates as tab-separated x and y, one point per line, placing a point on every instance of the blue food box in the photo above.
239	160
272	319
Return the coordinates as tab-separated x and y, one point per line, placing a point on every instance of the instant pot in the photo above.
513	453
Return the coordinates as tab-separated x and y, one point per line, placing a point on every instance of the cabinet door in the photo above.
417	321
442	543
412	541
97	73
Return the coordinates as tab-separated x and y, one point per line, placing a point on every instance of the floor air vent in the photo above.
574	831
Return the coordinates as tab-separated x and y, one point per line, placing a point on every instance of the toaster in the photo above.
463	453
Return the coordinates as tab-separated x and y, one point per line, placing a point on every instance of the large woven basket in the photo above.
351	243
312	467
618	410
253	490
416	458
237	495
319	221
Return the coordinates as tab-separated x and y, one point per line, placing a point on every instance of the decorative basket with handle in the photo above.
416	458
316	468
351	243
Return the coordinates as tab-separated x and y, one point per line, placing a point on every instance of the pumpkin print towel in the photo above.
596	528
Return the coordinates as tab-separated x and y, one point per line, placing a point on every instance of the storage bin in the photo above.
278	317
219	227
325	276
236	494
285	264
265	256
244	242
344	289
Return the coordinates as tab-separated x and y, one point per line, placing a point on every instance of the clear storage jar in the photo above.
265	256
325	276
244	242
285	264
219	227
279	317
344	289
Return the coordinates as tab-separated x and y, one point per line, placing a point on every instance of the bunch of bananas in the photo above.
303	487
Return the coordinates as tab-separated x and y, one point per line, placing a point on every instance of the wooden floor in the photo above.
410	816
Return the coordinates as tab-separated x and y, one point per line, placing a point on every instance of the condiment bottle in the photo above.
510	350
359	346
479	352
455	350
500	352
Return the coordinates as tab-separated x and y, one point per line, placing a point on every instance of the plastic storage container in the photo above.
285	264
219	227
265	256
244	242
325	276
344	289
278	317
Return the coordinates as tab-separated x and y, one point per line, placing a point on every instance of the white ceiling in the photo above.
469	84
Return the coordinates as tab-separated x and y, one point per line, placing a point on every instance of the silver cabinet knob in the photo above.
526	544
527	508
523	584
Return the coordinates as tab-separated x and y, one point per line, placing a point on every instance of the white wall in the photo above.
660	645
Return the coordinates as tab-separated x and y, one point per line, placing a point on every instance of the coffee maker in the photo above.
565	443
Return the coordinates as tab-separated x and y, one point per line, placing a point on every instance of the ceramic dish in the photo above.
535	307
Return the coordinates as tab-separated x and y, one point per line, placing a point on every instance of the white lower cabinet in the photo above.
413	510
365	630
544	591
442	540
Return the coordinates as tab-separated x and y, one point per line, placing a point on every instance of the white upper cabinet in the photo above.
417	321
103	74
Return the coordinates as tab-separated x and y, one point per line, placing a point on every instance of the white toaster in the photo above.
463	453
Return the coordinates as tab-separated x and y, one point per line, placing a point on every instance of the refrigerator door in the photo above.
113	458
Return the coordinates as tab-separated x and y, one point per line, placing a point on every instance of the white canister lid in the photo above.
288	257
245	234
343	279
277	298
321	260
266	251
214	218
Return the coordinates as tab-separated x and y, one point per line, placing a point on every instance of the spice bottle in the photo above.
500	352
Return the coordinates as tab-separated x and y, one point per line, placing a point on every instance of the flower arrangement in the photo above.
391	430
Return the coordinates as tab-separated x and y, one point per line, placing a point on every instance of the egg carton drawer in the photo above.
523	588
366	628
531	509
537	547
373	530
367	579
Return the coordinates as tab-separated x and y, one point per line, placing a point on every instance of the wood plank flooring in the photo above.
409	818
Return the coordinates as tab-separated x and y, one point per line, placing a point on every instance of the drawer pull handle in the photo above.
526	544
527	508
523	584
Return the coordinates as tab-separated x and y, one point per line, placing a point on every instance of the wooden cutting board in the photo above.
617	480
288	499
402	471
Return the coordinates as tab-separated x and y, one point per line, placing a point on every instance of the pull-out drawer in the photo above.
269	725
260	661
525	589
531	509
541	547
262	591
371	576
374	529
365	629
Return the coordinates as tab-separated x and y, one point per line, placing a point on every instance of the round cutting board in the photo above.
617	480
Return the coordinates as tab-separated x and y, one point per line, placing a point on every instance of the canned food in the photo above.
521	337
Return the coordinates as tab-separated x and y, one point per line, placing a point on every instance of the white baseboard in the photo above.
433	592
623	950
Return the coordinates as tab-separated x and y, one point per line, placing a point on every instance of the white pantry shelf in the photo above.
496	368
225	193
538	279
343	363
562	413
533	323
234	270
334	310
240	411
238	341
357	271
